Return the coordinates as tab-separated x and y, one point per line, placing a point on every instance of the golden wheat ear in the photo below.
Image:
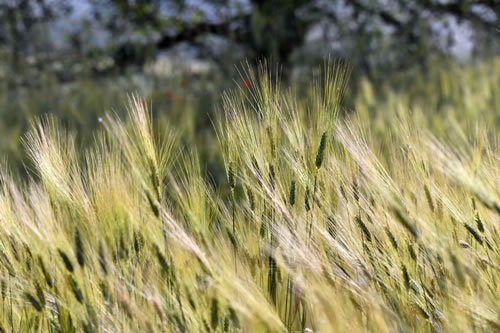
53	155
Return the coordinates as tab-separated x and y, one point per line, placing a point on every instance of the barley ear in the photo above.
66	261
230	176
80	254
33	301
321	151
292	193
102	259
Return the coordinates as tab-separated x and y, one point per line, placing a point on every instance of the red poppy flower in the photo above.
182	83
247	83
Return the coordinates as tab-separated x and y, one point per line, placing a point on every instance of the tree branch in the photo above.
461	10
190	33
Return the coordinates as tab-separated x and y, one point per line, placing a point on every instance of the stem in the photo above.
313	198
272	262
234	228
286	300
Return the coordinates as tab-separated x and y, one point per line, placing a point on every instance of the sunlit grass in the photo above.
382	219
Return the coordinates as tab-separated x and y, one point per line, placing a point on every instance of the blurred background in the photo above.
78	59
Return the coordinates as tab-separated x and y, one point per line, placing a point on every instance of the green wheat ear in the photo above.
33	301
230	176
251	199
321	151
102	258
80	253
46	275
307	203
428	196
75	288
214	313
406	222
66	260
292	193
364	228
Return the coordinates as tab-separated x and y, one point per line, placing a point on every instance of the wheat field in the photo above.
381	219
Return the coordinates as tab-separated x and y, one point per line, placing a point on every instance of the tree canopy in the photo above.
407	31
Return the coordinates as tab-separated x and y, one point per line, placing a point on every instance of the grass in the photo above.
368	221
